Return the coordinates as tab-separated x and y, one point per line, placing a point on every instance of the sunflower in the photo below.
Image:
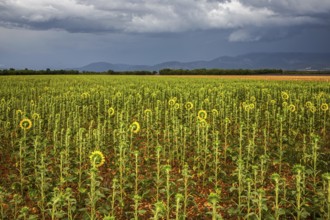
147	112
85	95
275	176
292	107
298	168
206	101
227	120
189	105
111	111
19	112
118	94
285	95
202	114
308	104
273	102
215	112
202	122
97	158
35	116
135	127
171	102
25	124
284	104
246	107
324	107
178	197
312	109
252	98
213	198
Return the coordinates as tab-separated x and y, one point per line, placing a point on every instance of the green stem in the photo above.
92	192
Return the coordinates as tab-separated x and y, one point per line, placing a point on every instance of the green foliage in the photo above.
199	147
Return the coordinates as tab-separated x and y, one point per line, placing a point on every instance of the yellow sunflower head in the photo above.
147	112
324	107
189	105
202	123
85	95
285	95
227	120
215	112
246	107
19	112
292	108
25	124
118	94
252	98
284	104
135	127
206	101
202	114
111	111
312	109
35	116
308	104
171	102
97	158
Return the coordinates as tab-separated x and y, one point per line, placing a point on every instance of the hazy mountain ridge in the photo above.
285	61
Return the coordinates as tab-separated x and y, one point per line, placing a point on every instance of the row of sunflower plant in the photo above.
118	147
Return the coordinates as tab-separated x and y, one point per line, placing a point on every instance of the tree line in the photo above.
13	71
167	71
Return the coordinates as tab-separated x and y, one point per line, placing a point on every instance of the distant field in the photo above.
164	147
270	77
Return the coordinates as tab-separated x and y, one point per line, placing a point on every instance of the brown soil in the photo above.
325	78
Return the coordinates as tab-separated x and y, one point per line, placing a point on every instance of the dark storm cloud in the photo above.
245	18
296	7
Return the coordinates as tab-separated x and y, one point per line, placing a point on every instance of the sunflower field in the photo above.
156	147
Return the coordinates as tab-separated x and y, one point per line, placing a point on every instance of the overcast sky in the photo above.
42	34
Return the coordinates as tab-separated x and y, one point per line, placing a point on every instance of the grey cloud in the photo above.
159	16
265	34
297	7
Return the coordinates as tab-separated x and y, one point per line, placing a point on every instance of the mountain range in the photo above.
285	61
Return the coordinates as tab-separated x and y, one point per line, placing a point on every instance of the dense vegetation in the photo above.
214	72
125	147
161	72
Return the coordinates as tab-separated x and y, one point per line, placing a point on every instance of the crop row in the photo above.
105	147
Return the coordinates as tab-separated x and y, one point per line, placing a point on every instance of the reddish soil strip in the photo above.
325	78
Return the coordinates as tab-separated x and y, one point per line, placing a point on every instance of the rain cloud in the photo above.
246	20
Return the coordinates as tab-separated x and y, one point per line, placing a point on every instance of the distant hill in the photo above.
285	61
104	66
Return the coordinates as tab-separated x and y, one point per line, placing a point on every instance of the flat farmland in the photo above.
158	147
325	78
